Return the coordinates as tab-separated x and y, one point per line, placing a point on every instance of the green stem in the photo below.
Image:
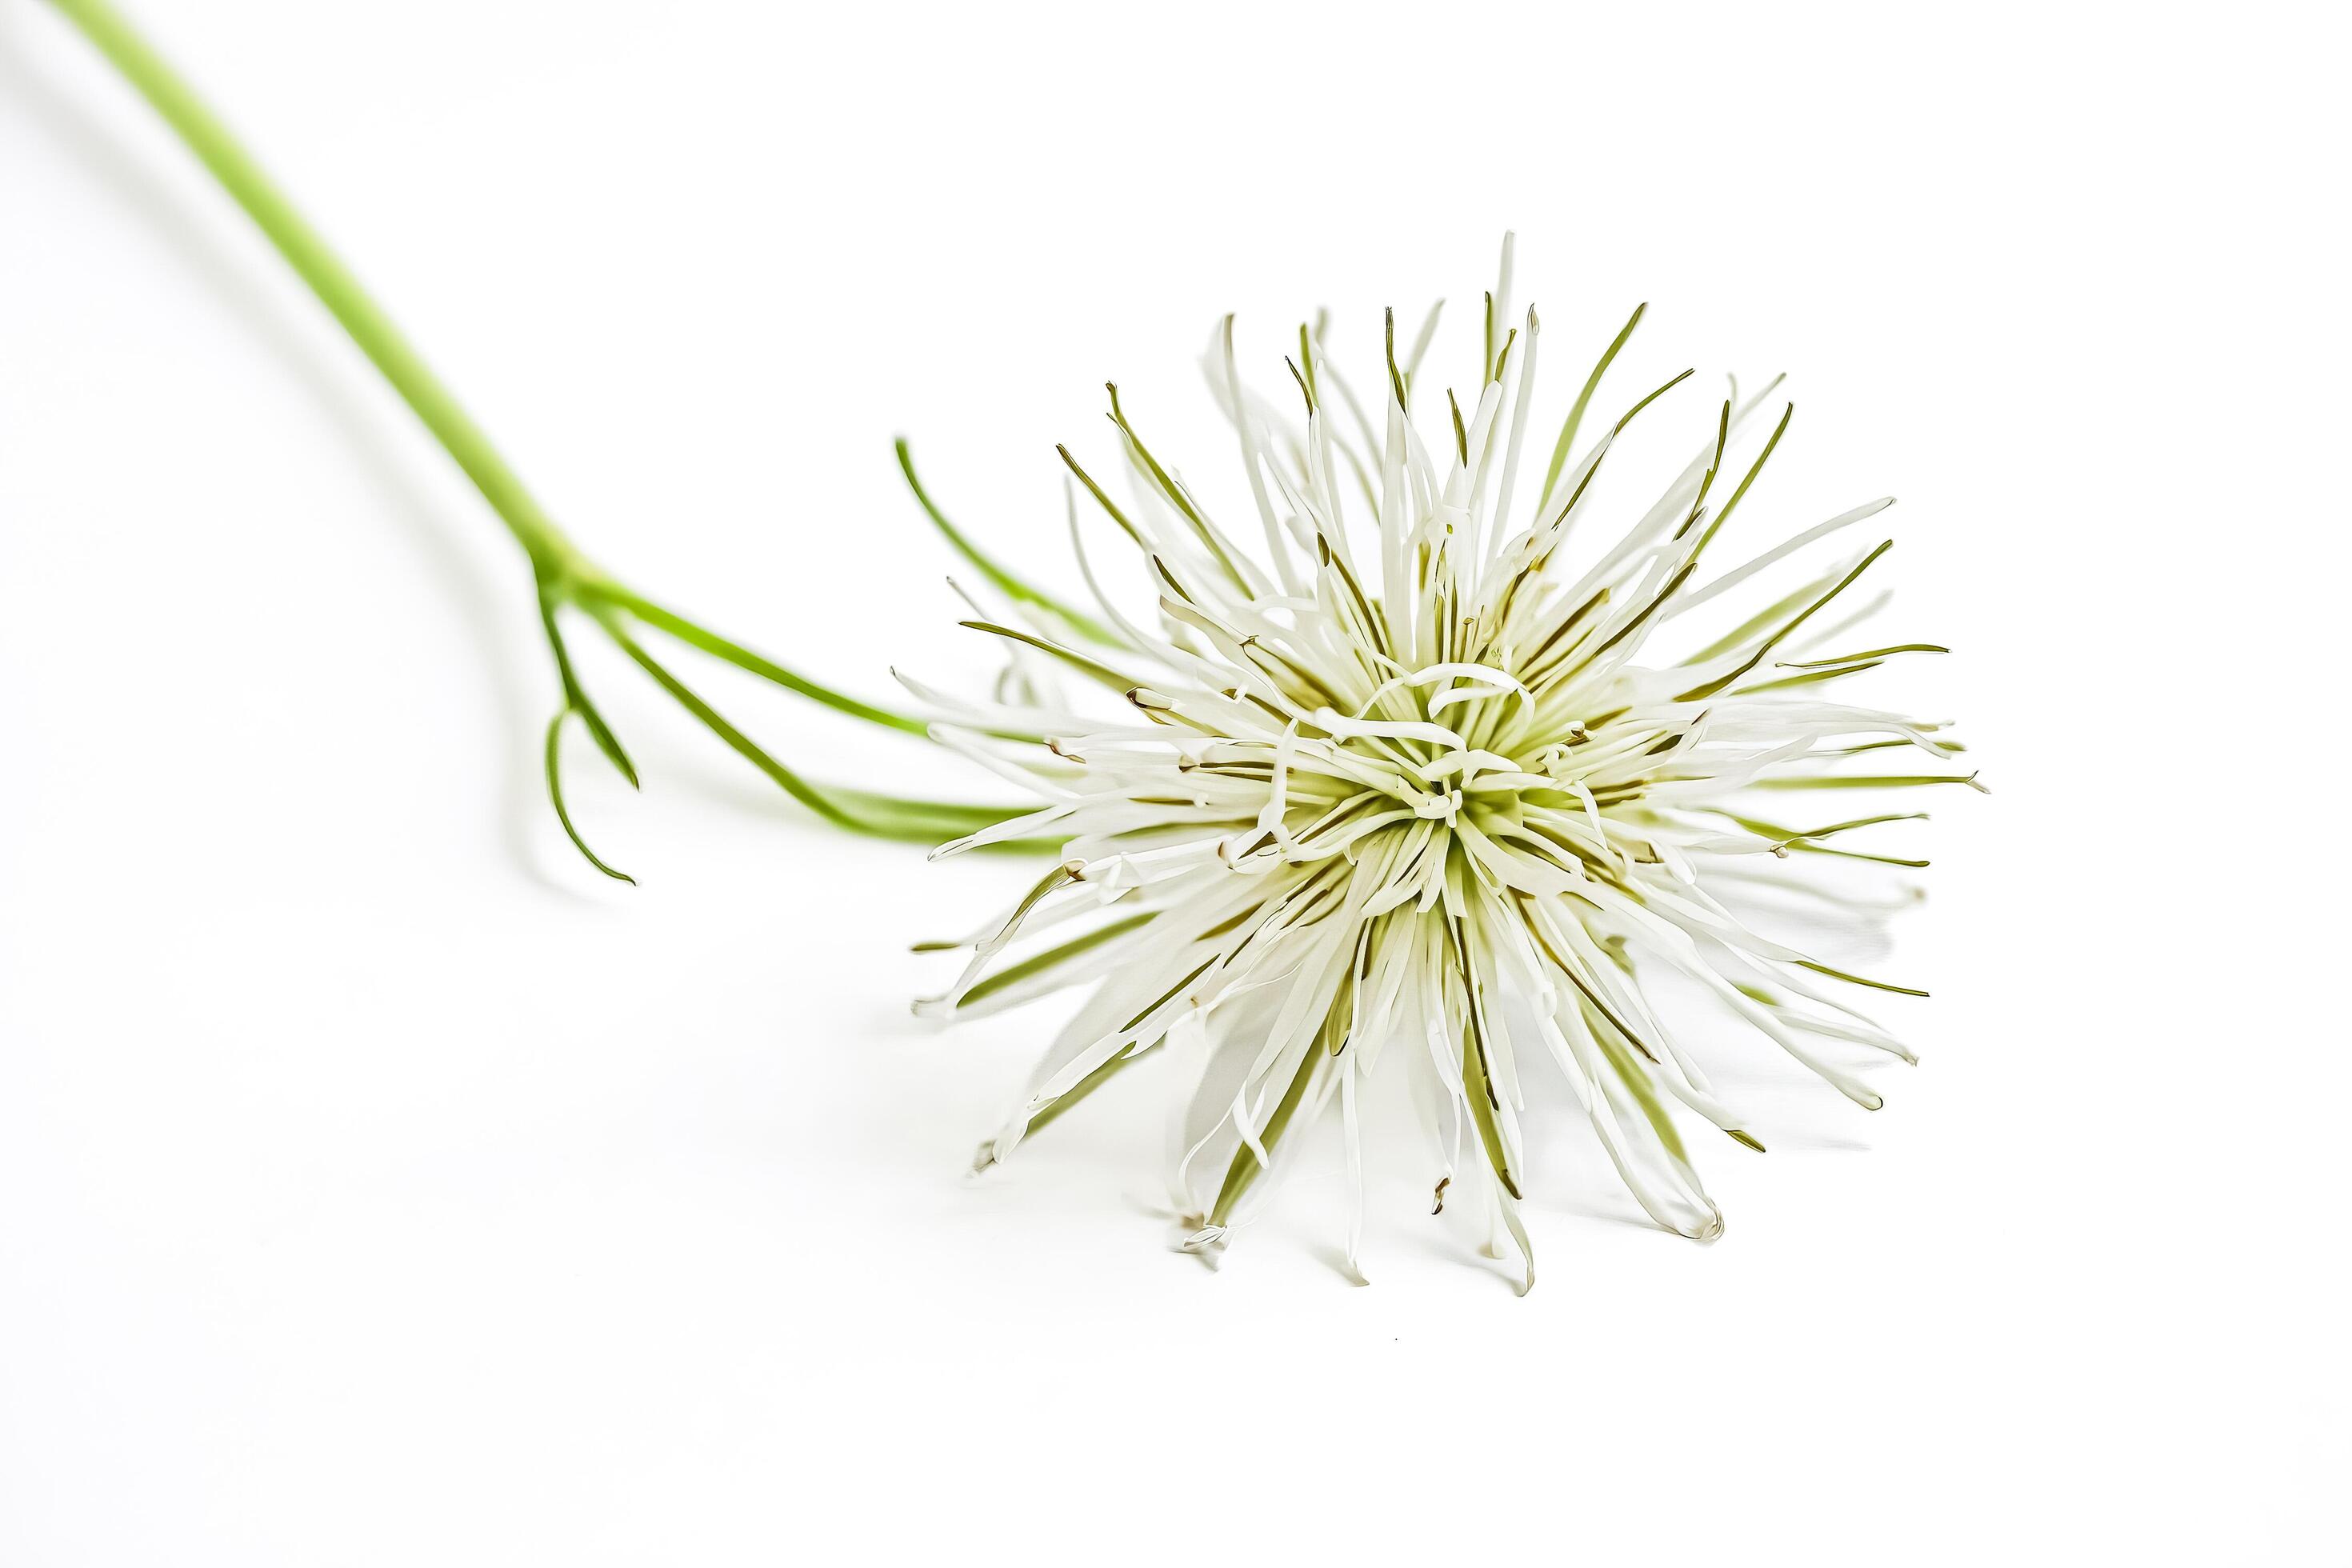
1011	587
736	654
315	262
564	576
559	565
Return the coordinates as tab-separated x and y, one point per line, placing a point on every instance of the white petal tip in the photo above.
1206	1241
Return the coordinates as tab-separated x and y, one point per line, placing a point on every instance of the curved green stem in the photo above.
881	816
552	761
1011	587
607	592
315	262
564	576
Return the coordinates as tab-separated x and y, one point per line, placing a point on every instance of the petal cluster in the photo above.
1398	786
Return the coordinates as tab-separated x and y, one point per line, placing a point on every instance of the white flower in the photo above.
1413	797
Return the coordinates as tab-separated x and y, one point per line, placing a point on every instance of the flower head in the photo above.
1406	791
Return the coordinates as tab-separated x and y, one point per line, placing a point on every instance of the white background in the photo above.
378	1186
